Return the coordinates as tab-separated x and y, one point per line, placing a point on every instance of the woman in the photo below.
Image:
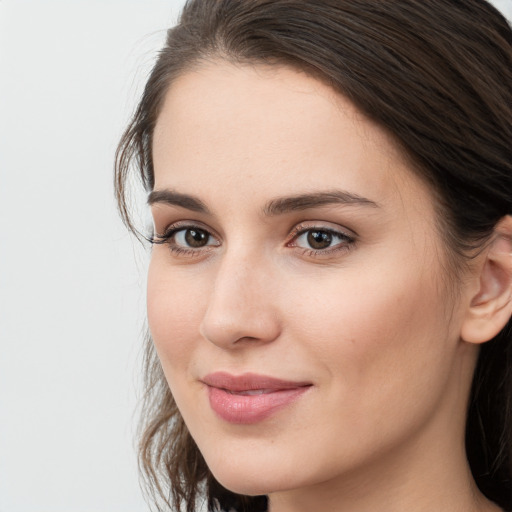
329	294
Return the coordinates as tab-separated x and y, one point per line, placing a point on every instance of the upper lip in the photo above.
249	381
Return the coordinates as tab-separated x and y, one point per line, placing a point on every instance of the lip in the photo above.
250	398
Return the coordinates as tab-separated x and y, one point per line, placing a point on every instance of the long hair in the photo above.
437	75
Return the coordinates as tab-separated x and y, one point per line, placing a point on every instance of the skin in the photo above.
372	321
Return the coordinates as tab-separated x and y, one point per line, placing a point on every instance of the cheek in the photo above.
175	305
377	333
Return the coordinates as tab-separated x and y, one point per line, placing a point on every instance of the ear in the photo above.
490	307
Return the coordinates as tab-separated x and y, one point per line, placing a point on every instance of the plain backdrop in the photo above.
71	278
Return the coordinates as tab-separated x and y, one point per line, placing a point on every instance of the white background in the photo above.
71	279
71	291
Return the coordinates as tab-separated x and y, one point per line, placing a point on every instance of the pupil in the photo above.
196	237
319	239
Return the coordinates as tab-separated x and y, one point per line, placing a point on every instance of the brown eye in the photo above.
194	237
190	238
322	240
319	239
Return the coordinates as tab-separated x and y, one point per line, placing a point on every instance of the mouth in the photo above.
250	392
250	398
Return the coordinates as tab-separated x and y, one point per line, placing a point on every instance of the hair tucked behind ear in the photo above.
437	74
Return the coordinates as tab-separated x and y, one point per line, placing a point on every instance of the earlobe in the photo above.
490	307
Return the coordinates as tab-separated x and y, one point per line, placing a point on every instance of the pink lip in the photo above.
250	398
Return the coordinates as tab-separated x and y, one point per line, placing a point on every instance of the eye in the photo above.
192	238
316	239
186	239
321	240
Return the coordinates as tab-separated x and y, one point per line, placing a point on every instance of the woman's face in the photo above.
300	306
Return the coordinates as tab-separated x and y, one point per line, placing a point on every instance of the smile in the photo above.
250	398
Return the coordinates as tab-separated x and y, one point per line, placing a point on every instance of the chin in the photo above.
247	487
250	481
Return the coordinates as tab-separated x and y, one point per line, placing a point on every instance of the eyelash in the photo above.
167	237
170	232
347	240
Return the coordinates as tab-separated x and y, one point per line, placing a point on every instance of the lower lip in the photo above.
247	409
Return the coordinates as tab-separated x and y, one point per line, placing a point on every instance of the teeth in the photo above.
251	392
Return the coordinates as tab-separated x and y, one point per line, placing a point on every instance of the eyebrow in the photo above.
174	198
277	206
300	202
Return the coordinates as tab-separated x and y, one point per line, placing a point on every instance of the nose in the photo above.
241	307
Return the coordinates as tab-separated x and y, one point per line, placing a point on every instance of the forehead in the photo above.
271	130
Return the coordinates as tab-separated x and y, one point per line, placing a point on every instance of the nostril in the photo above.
238	329
236	313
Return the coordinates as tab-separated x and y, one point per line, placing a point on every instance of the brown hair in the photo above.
437	74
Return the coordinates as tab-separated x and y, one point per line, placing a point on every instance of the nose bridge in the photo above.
241	301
